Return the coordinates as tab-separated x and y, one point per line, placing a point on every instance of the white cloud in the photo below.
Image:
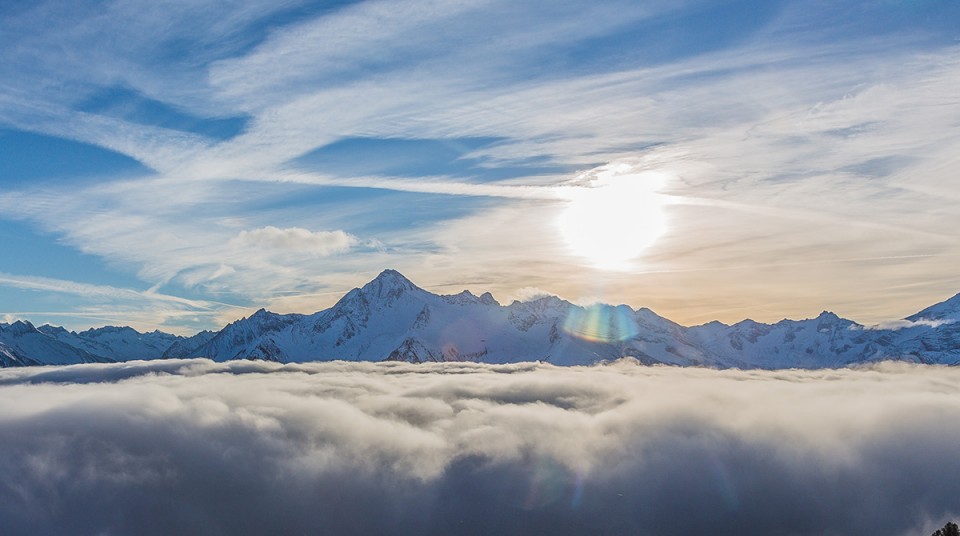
88	290
394	448
905	324
296	239
435	185
526	294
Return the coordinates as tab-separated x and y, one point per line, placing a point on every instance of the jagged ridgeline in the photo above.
390	318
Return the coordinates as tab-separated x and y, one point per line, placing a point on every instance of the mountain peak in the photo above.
392	277
93	332
265	317
488	299
828	321
20	327
50	329
388	285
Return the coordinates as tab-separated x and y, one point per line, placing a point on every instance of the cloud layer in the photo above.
195	447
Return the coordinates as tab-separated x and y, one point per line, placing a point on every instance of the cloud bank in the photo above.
196	447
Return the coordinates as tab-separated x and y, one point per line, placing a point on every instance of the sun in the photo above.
616	219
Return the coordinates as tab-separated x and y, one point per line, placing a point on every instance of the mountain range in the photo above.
390	318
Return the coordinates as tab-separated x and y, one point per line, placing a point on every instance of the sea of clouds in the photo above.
196	447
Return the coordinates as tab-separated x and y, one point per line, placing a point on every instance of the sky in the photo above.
197	447
176	165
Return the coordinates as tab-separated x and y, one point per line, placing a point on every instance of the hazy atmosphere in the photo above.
177	165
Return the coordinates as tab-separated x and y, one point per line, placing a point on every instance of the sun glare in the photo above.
616	219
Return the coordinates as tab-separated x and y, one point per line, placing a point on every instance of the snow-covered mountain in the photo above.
947	311
824	341
242	339
187	346
390	318
115	343
23	344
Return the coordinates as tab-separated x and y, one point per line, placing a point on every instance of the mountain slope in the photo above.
116	343
186	347
947	311
238	340
10	358
23	344
390	318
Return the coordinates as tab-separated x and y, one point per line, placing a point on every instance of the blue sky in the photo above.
178	164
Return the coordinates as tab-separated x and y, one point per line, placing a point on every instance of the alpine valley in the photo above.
390	318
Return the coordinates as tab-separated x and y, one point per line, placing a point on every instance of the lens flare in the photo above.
616	219
601	323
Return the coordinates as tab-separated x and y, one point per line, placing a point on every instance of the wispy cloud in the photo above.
142	309
86	290
778	154
433	185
